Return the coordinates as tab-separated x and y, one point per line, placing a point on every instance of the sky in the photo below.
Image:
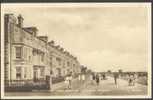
101	37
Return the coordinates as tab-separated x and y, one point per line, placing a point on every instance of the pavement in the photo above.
89	88
106	87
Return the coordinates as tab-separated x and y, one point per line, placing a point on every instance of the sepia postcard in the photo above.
75	50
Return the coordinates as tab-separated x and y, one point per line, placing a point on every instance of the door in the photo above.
35	74
58	72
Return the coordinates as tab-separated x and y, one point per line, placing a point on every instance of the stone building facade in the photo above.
29	56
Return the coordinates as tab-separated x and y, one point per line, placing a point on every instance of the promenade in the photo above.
105	88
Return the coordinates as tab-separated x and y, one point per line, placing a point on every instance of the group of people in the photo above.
96	77
131	79
68	80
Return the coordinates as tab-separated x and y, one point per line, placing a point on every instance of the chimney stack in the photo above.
61	49
51	43
32	30
43	38
58	46
20	21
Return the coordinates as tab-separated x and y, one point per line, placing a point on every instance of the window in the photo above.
18	72
42	57
42	71
58	71
68	71
29	58
50	61
25	72
51	72
59	61
64	64
25	53
73	65
34	52
11	28
68	63
18	52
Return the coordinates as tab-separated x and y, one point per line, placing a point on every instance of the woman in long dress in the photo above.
97	79
83	79
67	81
70	81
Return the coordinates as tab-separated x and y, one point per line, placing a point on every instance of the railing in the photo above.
34	84
17	82
26	85
57	79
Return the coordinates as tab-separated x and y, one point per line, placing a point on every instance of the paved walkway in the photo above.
106	87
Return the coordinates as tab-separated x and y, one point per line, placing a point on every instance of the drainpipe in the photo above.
10	56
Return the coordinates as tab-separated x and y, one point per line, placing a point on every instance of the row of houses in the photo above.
29	56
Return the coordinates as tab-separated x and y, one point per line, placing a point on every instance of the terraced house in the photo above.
32	57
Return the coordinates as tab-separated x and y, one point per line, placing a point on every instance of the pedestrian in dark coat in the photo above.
97	79
92	77
115	78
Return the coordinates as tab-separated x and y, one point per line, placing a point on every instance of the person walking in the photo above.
134	79
70	80
93	78
115	78
97	79
51	81
67	81
79	81
90	76
83	79
130	80
103	76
